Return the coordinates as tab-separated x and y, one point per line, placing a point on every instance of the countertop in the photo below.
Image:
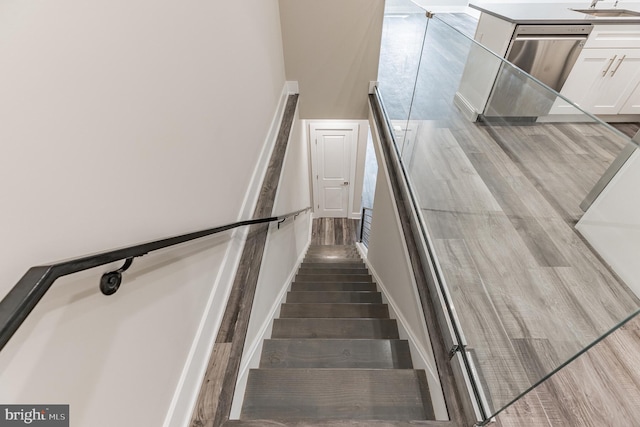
555	13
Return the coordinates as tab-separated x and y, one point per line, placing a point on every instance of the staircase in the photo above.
334	352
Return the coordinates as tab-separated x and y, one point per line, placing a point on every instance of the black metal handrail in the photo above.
25	295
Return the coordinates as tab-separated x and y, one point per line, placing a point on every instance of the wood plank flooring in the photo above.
334	231
629	129
500	203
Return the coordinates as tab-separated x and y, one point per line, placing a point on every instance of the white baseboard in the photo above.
186	393
417	349
363	250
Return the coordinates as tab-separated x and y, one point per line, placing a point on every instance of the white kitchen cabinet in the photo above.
606	73
602	80
613	85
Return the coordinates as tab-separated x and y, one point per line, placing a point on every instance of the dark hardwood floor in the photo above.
629	129
334	231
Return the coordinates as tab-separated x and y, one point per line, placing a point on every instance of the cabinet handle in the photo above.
618	66
604	73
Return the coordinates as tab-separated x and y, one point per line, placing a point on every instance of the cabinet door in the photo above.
585	79
611	93
632	104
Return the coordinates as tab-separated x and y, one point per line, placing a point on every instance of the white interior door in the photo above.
333	150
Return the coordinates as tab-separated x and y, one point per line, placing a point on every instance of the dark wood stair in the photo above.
335	297
334	353
335	328
333	286
366	394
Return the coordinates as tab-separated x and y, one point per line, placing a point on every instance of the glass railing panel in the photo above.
500	165
403	34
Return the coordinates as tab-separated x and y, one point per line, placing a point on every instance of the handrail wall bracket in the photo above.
110	281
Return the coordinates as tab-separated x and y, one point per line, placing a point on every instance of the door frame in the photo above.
316	128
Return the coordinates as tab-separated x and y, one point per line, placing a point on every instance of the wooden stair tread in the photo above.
335	328
335	270
303	277
333	310
334	297
336	353
329	261
333	286
339	423
331	265
387	394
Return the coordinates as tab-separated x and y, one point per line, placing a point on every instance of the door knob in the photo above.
346	183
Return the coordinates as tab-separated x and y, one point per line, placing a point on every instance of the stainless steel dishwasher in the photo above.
546	52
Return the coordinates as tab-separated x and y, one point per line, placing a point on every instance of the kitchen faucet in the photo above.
593	3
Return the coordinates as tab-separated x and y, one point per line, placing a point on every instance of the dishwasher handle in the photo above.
563	38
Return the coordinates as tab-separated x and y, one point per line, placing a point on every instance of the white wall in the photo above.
332	48
388	260
122	122
284	252
612	223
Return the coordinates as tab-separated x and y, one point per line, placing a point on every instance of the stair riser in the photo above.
331	265
333	287
306	270
303	310
320	260
335	328
333	278
334	255
339	253
335	297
